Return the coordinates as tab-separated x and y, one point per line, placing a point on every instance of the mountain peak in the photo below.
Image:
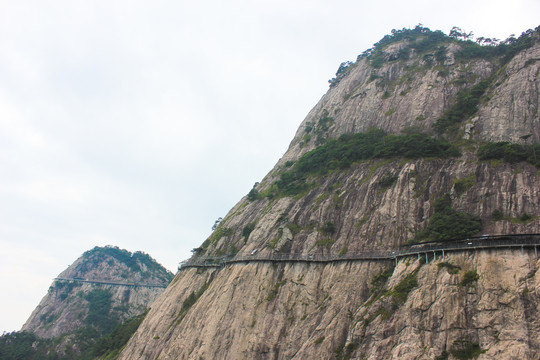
106	283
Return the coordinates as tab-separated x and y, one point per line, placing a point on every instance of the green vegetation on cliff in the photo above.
433	46
75	319
449	224
109	347
136	261
465	106
99	311
509	152
27	346
341	153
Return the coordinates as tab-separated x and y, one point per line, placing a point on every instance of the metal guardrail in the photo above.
102	282
473	243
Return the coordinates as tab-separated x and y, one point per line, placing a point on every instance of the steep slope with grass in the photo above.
424	137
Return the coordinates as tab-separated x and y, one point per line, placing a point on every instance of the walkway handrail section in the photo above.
472	243
102	282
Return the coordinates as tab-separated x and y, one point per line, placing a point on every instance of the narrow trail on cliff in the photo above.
473	243
103	282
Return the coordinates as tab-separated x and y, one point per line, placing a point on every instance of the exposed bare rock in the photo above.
479	303
512	110
66	306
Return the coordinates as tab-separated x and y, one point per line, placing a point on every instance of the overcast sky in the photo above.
138	123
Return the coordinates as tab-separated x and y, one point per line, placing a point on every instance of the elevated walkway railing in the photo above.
485	242
103	282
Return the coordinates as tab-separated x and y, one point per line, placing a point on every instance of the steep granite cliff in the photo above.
406	146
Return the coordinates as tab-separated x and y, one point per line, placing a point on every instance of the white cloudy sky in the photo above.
138	123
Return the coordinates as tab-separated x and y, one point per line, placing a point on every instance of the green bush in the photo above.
525	217
402	289
449	224
469	278
387	180
497	215
510	152
109	347
343	70
433	44
99	307
25	346
328	228
190	300
443	356
505	50
87	344
464	184
295	228
452	269
135	261
219	232
464	349
246	231
253	195
423	40
275	290
345	352
379	280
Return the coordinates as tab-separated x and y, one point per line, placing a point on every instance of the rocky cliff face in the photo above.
469	304
72	305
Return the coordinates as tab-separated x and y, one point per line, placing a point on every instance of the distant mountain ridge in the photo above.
95	294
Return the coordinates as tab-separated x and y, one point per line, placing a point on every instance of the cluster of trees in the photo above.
132	260
25	345
509	152
449	224
490	48
99	311
89	344
121	255
109	347
422	40
343	69
430	39
341	153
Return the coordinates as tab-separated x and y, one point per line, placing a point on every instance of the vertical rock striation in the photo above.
468	304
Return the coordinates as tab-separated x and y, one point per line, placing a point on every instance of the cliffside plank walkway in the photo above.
429	250
102	282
